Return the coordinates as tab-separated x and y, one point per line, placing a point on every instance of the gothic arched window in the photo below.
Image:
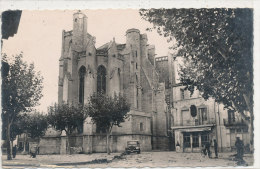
82	73
101	79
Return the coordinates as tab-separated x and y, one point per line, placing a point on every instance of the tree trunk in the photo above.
9	157
12	145
68	144
252	131
250	108
25	143
108	149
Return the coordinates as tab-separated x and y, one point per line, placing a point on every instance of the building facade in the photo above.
112	68
195	121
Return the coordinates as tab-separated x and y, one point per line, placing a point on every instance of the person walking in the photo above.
207	146
216	148
33	151
237	144
14	151
240	151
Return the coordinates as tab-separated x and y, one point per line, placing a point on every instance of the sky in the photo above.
39	38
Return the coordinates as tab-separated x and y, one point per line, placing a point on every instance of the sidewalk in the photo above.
145	159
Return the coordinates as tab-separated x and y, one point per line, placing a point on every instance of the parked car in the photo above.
133	146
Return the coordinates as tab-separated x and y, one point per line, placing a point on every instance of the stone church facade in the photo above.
112	68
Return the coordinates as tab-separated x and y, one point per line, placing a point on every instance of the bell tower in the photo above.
79	31
133	39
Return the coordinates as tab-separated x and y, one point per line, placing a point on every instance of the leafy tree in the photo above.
69	118
107	111
35	124
21	90
217	48
15	129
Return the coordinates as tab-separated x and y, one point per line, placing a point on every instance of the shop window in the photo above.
204	138
195	140
232	130
245	130
186	139
238	130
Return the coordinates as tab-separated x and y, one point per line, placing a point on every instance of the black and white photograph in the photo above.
136	87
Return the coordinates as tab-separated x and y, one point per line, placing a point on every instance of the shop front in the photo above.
192	139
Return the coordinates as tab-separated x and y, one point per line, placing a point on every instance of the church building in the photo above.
112	68
163	115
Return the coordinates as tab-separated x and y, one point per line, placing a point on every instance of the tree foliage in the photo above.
67	117
22	88
21	91
15	129
35	124
216	45
107	111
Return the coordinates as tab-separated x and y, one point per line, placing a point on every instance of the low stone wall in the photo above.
76	141
120	142
92	143
117	143
49	145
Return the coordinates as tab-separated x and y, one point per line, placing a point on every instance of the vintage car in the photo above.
133	146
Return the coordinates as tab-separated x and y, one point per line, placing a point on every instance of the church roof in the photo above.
120	46
104	48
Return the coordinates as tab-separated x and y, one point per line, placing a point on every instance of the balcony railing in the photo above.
195	122
234	122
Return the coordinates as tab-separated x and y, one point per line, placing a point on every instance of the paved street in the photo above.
146	159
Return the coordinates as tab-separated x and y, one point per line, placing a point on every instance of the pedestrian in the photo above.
240	149
14	151
204	150
33	151
207	146
216	148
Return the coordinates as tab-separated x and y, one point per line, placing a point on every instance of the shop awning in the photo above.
193	128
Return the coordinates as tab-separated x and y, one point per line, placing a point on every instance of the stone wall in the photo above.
117	142
50	145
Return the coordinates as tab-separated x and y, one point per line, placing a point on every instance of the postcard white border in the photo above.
116	4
